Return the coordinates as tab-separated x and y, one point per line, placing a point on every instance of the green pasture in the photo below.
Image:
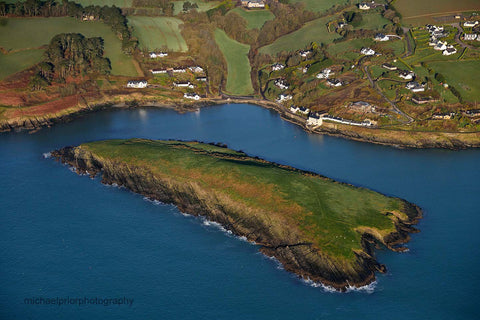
313	31
33	33
235	53
17	61
202	5
158	33
255	18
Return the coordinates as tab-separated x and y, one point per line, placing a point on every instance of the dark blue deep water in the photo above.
64	235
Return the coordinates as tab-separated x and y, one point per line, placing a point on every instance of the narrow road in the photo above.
409	44
457	37
394	106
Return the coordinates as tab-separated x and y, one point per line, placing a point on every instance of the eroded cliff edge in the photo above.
296	251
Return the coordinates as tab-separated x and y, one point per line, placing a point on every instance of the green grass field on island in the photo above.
235	53
463	75
158	33
313	31
17	61
327	213
255	18
22	34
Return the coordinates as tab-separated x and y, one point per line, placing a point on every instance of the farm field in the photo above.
158	33
235	53
348	50
463	75
320	6
411	10
15	62
29	33
373	21
202	5
255	18
313	31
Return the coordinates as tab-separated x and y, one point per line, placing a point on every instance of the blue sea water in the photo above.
64	235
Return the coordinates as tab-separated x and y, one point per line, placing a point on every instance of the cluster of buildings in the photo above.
192	96
277	67
471	36
282	84
415	86
253	4
369	5
325	74
138	84
334	83
435	34
316	119
305	53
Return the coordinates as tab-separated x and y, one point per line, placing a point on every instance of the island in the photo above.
320	229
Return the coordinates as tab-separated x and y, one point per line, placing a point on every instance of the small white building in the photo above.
367	51
158	71
470	36
183	85
325	74
314	119
284	97
137	84
449	51
203	79
192	96
407	75
470	24
364	6
440	46
305	53
256	4
282	84
304	110
277	66
334	83
415	86
294	108
196	69
389	67
154	55
381	37
179	70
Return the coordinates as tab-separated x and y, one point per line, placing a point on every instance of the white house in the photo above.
367	51
154	55
137	84
389	66
196	69
304	110
256	4
325	74
432	42
282	84
314	119
449	51
342	25
305	69
284	97
440	46
364	6
469	36
179	70
192	96
204	79
294	108
381	37
415	86
470	24
405	74
183	85
277	66
158	71
305	53
334	83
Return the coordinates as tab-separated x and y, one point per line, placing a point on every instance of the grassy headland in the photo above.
315	226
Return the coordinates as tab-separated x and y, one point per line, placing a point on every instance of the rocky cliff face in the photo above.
289	248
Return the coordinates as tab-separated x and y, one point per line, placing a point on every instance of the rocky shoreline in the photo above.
296	255
404	139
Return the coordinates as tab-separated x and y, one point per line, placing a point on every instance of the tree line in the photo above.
111	16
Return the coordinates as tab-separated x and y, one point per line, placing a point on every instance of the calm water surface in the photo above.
63	235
